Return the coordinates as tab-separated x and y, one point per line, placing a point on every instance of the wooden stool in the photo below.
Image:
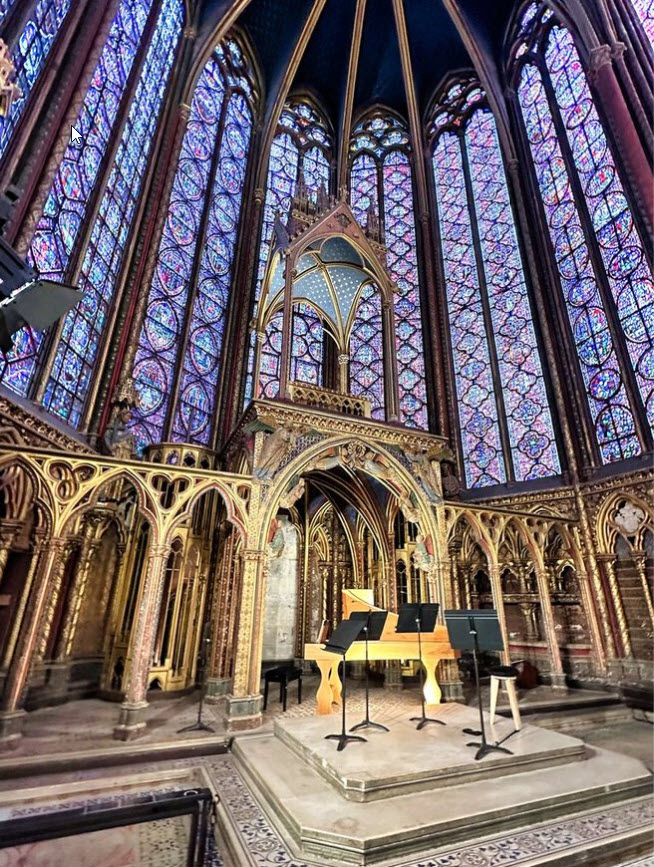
506	675
283	675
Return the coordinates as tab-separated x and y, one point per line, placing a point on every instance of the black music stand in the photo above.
340	642
373	626
414	617
476	629
199	725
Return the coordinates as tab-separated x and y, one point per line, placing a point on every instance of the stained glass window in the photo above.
301	148
66	204
380	177
645	11
367	351
598	251
202	361
307	346
488	307
29	54
270	357
69	382
195	222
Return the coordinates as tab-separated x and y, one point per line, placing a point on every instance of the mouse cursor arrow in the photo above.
75	136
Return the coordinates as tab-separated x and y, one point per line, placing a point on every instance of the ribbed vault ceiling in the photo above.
434	28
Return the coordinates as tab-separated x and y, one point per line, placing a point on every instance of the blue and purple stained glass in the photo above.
377	144
478	417
367	351
69	382
29	54
65	207
156	356
528	417
201	365
402	263
270	357
645	12
626	267
612	230
307	345
600	368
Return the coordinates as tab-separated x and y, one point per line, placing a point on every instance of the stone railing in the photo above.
330	400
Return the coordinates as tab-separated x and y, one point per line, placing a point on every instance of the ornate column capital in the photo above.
343	359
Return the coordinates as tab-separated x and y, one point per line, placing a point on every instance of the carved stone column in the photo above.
495	573
11	714
53	598
343	374
245	702
141	641
391	388
557	673
528	610
602	76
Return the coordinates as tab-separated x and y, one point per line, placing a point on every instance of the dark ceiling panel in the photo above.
325	62
274	27
436	47
380	68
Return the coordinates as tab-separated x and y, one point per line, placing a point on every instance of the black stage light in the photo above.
25	299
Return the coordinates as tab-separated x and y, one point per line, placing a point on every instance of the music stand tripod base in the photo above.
366	722
486	748
196	727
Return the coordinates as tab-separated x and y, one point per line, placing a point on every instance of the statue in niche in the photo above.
291	497
422	557
118	439
276	447
409	510
276	544
426	468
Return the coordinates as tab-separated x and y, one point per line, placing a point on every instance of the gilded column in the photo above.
141	642
37	550
7	535
88	549
640	559
607	563
558	675
495	573
244	704
11	715
58	573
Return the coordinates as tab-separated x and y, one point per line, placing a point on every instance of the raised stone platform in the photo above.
406	760
417	793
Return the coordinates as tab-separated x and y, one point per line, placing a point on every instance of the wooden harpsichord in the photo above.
390	645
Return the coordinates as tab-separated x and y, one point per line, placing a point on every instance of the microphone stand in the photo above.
367	722
423	719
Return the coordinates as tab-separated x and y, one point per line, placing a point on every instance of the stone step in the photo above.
579	720
320	824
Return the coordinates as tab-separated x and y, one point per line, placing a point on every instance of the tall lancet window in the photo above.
178	360
302	148
602	264
380	182
29	52
504	415
77	185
